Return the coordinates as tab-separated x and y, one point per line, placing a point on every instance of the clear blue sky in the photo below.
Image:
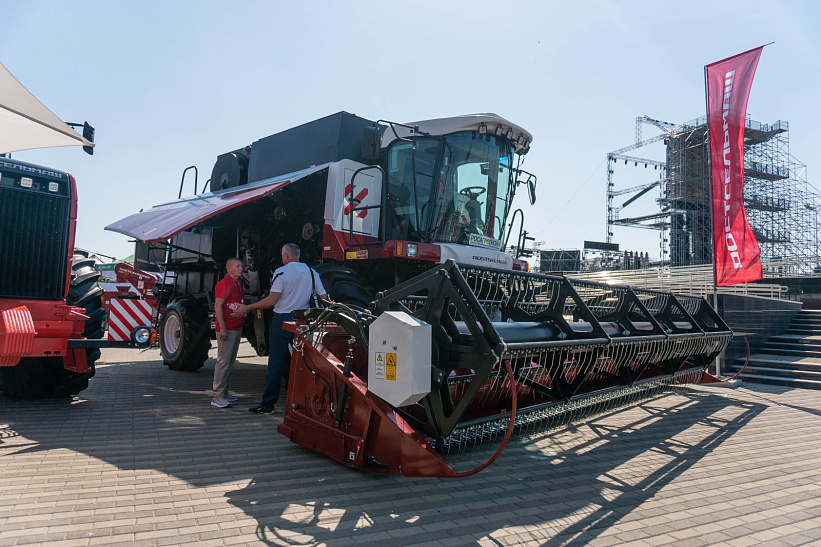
172	84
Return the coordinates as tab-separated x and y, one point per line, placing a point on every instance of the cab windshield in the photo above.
463	184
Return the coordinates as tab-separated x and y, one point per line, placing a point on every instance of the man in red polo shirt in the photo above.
228	296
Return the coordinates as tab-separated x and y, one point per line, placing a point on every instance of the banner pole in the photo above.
712	211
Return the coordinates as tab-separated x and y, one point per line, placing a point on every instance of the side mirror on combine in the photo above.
530	182
88	134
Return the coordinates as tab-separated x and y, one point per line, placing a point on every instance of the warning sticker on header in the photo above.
390	367
379	366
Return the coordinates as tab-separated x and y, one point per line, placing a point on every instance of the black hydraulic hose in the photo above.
327	383
343	391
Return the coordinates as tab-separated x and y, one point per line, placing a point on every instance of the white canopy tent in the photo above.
26	123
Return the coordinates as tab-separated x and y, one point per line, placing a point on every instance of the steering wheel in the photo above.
473	192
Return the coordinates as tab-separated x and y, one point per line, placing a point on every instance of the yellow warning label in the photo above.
390	369
350	255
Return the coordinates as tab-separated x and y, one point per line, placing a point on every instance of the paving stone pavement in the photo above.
141	458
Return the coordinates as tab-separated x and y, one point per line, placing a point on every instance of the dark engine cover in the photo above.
328	139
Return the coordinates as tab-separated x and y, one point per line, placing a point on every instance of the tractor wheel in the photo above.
42	378
46	377
185	335
85	292
345	285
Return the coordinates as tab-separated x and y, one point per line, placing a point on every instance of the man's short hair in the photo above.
233	258
292	249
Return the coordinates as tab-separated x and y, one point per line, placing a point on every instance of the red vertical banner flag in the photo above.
737	256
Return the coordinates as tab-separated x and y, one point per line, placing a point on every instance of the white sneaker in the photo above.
220	403
231	398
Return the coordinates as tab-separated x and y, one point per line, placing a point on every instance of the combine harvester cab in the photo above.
450	356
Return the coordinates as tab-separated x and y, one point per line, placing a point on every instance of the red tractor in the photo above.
49	297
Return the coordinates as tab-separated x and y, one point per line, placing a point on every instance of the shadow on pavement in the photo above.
572	483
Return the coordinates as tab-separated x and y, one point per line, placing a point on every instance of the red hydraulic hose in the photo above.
734	376
509	428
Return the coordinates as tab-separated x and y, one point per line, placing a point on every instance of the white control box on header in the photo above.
399	359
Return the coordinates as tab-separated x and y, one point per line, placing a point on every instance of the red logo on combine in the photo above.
356	201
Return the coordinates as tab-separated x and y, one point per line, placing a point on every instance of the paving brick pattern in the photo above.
141	458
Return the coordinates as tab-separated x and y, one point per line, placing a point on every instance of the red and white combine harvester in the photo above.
437	338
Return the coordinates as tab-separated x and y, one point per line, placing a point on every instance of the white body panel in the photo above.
399	359
454	124
367	191
476	256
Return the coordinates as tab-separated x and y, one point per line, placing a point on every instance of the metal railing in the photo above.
695	280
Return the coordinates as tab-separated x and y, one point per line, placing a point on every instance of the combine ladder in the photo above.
791	359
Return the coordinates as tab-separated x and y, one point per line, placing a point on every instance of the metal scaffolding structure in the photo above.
782	208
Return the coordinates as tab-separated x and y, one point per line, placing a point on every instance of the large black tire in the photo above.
42	378
46	377
345	285
185	336
85	292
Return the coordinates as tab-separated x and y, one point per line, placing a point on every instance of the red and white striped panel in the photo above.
125	315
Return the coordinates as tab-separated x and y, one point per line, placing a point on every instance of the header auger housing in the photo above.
547	346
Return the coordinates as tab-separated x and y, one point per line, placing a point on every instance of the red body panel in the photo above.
371	435
142	281
16	335
72	231
40	328
334	244
426	252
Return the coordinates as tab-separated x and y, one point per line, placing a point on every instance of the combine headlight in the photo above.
412	249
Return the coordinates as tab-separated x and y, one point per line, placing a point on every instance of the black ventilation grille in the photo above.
34	234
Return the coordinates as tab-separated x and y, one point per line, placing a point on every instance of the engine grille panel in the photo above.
34	236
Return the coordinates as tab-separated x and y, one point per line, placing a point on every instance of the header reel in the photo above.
550	346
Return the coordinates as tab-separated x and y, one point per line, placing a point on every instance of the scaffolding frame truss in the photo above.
782	207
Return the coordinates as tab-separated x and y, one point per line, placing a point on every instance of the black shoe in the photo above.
260	410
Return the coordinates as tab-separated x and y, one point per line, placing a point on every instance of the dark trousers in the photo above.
278	359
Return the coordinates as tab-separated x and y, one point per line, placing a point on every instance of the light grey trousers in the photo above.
226	355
